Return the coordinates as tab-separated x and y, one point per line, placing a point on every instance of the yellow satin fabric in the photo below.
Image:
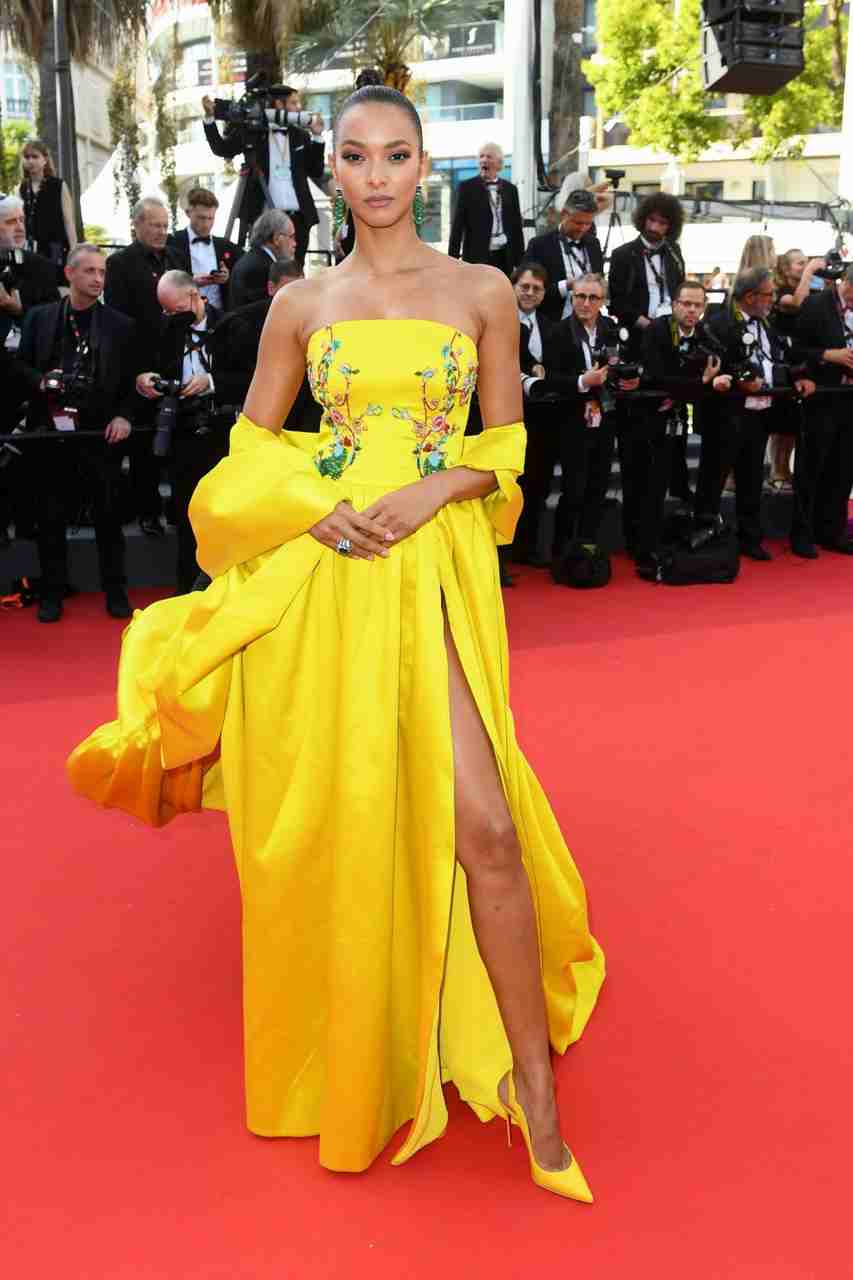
306	694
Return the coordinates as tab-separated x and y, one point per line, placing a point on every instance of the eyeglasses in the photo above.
587	297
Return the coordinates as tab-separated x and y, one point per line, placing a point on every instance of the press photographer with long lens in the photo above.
282	147
823	465
734	433
681	358
26	279
79	358
181	386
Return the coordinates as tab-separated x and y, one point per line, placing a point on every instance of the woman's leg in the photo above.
502	911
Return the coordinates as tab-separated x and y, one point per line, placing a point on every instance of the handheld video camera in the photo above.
835	267
254	112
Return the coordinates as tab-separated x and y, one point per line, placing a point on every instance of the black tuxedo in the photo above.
36	283
59	468
823	466
629	289
131	287
546	250
227	252
734	437
542	422
250	277
235	353
307	160
471	228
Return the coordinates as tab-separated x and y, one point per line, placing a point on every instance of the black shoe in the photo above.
804	548
152	528
50	609
648	567
117	603
754	551
843	546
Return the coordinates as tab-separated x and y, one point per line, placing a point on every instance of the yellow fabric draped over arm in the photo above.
499	449
265	493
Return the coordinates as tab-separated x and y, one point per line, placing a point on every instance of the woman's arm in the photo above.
68	217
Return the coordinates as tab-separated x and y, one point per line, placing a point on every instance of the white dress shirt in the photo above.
192	360
203	262
588	348
660	303
282	190
498	238
764	352
534	346
576	263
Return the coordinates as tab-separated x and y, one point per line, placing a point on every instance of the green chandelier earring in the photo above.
339	209
419	207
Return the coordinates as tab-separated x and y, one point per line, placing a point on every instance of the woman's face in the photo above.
796	266
377	163
34	163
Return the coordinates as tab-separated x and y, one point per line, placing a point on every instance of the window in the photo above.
704	190
645	188
590	24
588	107
17	91
759	189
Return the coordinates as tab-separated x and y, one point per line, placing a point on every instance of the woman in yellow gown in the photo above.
411	914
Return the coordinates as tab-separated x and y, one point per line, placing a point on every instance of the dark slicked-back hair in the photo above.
382	96
535	268
284	269
665	206
750	281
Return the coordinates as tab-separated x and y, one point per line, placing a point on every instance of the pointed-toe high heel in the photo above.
568	1181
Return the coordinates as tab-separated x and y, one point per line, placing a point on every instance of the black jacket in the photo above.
546	250
226	251
235	354
568	362
664	366
249	278
820	328
471	229
307	160
131	287
115	355
36	281
629	290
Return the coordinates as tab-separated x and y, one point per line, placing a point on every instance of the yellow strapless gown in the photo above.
306	694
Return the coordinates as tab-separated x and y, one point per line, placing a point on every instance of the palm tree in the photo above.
380	32
92	27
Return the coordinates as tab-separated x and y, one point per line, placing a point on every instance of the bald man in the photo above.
487	218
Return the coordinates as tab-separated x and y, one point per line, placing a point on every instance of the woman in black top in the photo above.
48	208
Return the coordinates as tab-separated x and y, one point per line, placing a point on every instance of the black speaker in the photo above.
751	47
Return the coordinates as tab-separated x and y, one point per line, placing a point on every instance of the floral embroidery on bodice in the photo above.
390	390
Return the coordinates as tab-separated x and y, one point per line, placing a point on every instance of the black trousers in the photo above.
500	258
736	440
62	473
653	455
194	454
586	458
823	473
543	424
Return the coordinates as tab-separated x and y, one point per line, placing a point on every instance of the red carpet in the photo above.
695	744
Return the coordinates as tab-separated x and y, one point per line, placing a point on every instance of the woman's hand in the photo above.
368	536
405	510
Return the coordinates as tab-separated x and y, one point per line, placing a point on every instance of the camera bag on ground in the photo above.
581	564
694	552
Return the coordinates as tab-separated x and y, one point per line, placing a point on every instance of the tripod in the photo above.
250	169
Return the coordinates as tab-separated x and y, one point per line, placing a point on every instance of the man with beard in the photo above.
29	278
487	219
197	443
569	251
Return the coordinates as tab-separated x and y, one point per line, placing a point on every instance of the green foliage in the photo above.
12	138
94	233
125	133
650	73
166	127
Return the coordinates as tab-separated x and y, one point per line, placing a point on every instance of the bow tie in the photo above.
654	252
201	239
571	244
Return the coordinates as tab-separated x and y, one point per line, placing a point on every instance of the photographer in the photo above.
209	259
570	251
273	240
234	347
823	465
734	435
680	359
586	354
79	358
280	154
645	272
182	386
26	279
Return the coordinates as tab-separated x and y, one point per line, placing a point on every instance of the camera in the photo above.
614	176
8	270
704	347
619	369
835	267
167	414
254	112
73	388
